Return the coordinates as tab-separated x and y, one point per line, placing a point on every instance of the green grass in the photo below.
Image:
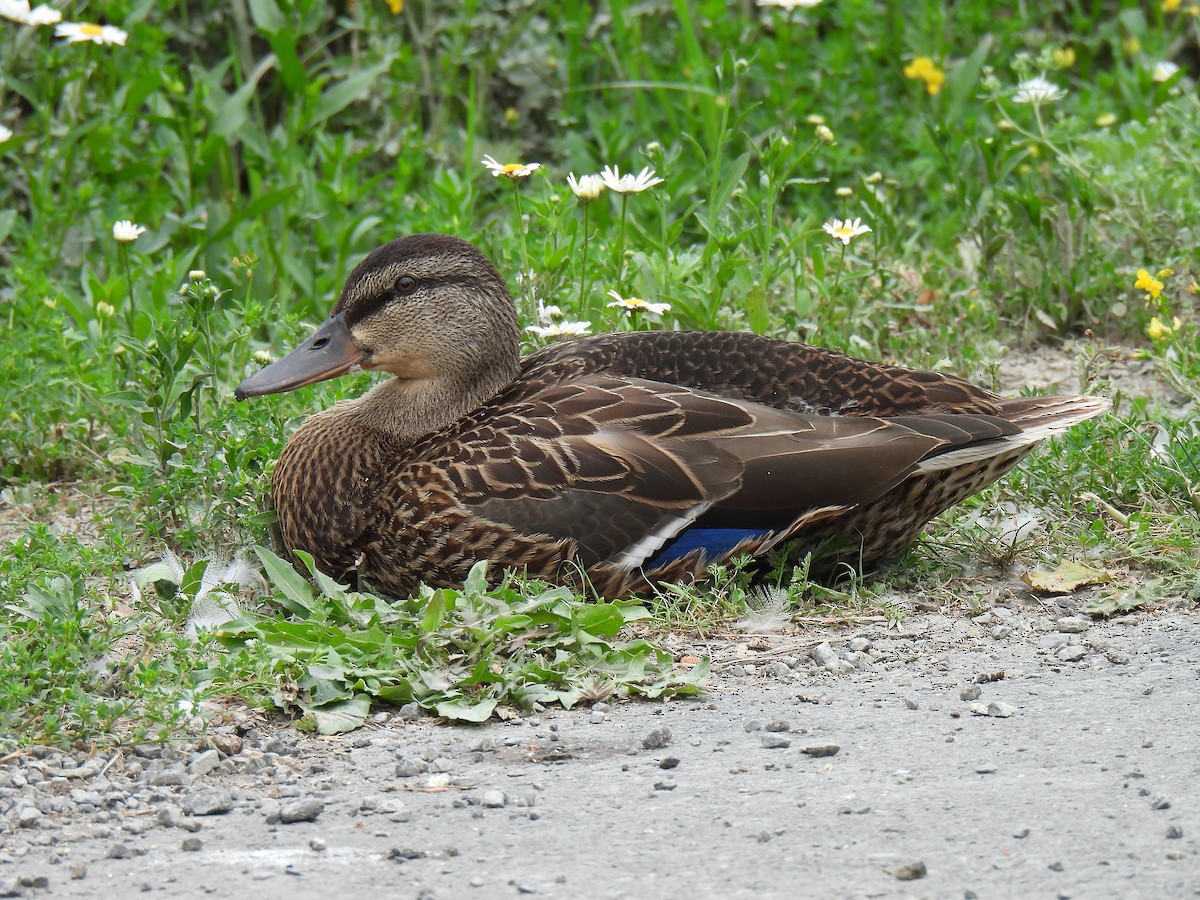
270	145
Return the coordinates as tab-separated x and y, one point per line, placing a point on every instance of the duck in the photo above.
612	462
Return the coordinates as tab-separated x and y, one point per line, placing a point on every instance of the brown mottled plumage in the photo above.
637	458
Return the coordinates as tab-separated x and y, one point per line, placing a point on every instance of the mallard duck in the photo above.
633	459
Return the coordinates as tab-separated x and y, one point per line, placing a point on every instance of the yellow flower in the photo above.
824	134
396	6
1170	6
1148	283
1160	331
1106	120
1063	57
1131	45
925	69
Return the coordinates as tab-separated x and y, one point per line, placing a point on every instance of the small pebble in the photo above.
203	763
824	655
1055	867
1072	653
28	816
657	739
1174	832
911	872
407	768
753	725
191	844
1160	803
1021	833
778	726
1073	624
317	844
970	692
228	744
207	803
775	742
668	762
596	717
78	871
493	799
305	810
820	750
1000	632
994	709
666	784
911	703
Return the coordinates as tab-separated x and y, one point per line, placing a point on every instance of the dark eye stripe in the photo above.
370	304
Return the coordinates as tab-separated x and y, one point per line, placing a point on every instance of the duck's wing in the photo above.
620	467
763	370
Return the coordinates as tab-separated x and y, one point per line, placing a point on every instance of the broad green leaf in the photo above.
466	712
342	94
297	593
338	718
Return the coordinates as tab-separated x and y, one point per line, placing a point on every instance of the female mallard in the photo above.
637	458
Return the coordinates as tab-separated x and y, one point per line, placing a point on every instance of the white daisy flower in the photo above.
1038	91
845	231
547	314
76	32
790	4
5	134
637	304
560	329
1164	71
125	231
510	170
19	11
628	184
587	188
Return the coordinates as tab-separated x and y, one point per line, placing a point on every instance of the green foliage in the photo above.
457	653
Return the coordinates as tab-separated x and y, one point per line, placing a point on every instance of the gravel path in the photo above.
1014	754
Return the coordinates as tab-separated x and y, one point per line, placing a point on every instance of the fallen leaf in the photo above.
1069	576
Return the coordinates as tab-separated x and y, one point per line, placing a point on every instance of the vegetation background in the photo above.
1028	173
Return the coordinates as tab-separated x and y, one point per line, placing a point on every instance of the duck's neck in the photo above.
409	409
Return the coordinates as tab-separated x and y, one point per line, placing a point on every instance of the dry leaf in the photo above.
1069	576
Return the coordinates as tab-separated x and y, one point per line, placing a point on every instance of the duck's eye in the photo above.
406	284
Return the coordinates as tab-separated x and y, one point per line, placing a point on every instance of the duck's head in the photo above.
429	308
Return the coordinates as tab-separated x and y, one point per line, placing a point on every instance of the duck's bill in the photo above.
330	351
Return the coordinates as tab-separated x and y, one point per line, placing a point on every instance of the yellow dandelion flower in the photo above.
396	6
1148	283
925	69
1170	6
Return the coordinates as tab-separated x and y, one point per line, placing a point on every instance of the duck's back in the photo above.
797	377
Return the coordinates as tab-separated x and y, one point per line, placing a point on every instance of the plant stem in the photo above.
621	245
526	275
584	298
